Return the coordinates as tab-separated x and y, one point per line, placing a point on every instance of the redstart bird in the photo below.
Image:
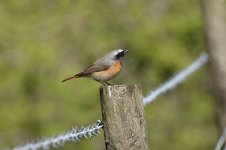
103	69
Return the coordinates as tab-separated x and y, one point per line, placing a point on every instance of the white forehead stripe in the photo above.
118	51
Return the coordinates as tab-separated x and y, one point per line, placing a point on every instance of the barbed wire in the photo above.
93	129
221	141
180	77
74	135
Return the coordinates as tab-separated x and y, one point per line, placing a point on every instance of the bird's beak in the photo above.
125	51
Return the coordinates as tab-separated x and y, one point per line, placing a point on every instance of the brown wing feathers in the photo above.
88	71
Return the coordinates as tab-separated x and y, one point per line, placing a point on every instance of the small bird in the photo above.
103	69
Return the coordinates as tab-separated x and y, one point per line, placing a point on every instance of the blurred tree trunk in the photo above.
215	28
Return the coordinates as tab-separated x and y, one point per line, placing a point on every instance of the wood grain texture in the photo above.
123	117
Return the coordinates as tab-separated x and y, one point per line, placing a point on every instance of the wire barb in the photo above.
74	135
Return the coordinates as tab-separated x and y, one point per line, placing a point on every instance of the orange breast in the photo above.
115	68
108	74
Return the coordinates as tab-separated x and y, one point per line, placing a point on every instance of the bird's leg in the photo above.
103	83
107	83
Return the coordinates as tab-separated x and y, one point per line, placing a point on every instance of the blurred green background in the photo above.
45	41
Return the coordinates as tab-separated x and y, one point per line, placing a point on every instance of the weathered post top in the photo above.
123	117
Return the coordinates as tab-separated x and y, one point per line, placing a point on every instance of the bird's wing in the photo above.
93	68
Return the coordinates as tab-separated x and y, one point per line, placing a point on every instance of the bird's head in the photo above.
119	54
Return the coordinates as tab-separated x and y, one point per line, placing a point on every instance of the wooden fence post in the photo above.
123	117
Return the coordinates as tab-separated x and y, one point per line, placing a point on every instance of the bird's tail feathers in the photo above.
72	77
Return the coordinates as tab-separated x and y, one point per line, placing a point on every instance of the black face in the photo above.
120	54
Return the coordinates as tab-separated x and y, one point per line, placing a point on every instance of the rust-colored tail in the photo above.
73	77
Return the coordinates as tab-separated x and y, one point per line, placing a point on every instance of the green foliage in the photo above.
42	42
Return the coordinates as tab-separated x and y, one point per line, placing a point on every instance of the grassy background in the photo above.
42	42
